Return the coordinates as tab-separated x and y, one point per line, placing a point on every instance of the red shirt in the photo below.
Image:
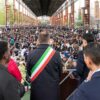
13	70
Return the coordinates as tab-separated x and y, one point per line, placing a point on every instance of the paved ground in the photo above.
26	96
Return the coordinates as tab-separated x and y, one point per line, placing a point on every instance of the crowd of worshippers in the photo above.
23	40
69	42
65	40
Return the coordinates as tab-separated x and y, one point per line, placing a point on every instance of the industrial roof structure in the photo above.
43	7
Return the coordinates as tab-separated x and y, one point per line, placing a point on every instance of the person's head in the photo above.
4	52
92	56
44	37
51	42
87	38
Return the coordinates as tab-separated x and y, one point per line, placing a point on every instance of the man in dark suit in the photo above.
46	85
8	85
82	70
90	88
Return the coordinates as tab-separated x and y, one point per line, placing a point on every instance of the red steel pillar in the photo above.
67	12
72	13
87	13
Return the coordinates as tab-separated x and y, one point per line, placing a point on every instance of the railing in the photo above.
65	78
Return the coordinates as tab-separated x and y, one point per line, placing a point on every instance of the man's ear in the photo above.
88	61
5	56
84	43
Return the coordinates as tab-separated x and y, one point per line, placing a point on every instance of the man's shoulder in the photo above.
87	91
6	79
57	54
5	75
42	50
84	85
88	86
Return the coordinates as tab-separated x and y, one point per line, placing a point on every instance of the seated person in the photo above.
90	89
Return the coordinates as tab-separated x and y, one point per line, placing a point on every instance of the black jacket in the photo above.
88	90
81	68
8	86
46	86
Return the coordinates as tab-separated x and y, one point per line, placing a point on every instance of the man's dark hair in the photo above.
93	51
43	37
88	37
3	48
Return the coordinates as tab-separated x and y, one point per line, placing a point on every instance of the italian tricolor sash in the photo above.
42	62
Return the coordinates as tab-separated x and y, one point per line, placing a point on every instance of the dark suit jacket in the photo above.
46	85
82	70
8	86
88	90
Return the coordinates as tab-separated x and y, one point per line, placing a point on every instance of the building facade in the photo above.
75	12
97	7
15	12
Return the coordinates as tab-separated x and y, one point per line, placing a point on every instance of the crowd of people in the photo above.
36	56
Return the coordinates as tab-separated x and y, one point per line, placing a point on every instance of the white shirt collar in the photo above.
96	71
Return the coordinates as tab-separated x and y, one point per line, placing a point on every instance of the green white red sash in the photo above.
41	63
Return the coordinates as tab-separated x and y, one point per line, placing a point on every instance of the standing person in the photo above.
90	89
13	69
81	67
8	85
45	85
